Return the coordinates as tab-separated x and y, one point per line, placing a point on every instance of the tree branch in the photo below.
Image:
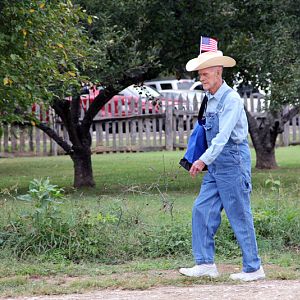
75	109
63	110
251	120
53	135
132	76
286	117
102	98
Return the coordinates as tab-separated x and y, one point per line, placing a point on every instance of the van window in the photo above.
139	91
166	86
184	85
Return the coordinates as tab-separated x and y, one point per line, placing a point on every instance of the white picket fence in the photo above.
133	126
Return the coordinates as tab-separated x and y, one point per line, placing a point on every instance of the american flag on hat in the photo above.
208	44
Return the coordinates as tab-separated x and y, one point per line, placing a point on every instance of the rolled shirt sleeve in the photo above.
228	119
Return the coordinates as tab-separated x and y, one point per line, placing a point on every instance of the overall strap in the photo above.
202	108
220	104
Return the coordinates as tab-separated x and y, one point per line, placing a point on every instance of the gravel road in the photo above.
266	289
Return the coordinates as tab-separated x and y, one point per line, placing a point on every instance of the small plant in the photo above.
43	194
40	228
274	185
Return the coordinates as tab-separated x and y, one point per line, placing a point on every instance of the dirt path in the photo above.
273	289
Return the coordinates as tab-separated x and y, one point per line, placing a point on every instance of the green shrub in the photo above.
116	232
32	229
280	227
165	240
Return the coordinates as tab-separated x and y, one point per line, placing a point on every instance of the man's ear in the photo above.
220	71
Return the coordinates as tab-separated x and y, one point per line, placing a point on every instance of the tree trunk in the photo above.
264	132
78	146
83	172
265	158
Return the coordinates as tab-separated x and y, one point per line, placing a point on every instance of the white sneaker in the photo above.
243	276
209	270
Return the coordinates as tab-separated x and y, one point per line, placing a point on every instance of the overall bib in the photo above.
227	184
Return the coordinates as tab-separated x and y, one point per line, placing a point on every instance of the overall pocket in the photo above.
246	184
235	155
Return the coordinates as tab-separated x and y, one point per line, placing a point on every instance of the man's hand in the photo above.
197	167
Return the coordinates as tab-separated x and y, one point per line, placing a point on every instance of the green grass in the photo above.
114	172
152	191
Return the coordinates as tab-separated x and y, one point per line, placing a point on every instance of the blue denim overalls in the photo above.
227	184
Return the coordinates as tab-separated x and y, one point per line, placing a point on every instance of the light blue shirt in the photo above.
232	122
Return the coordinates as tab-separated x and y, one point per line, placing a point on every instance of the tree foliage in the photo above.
171	28
263	36
44	50
266	43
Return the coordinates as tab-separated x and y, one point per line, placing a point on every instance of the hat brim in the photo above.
198	64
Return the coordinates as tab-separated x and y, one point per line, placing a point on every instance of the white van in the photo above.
170	84
196	86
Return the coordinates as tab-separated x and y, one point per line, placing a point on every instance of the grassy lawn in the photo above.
114	172
152	191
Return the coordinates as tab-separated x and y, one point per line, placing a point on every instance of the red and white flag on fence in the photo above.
208	44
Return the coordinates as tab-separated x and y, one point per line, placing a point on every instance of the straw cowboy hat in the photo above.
209	59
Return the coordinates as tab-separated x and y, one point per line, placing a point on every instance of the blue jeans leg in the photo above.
234	189
206	219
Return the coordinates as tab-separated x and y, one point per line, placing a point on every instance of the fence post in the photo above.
169	127
286	134
53	145
5	137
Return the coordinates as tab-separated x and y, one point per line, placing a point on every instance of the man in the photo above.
227	184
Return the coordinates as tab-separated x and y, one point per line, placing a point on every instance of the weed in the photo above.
44	195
